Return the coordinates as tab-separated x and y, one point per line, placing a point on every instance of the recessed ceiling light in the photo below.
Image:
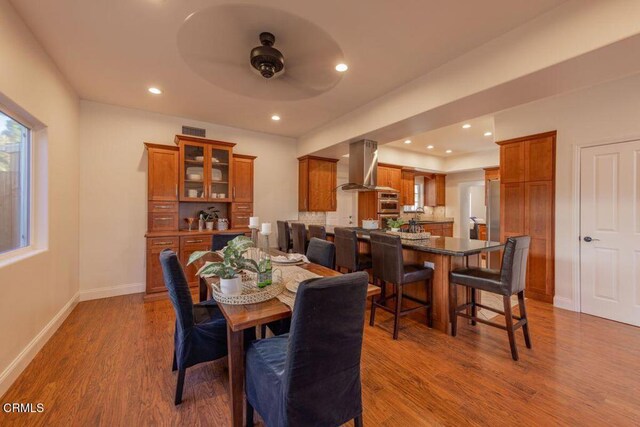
155	90
466	126
407	141
275	117
449	151
488	134
429	147
342	67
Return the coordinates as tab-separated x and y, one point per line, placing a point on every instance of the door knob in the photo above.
589	239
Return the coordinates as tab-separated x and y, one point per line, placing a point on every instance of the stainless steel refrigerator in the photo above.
493	221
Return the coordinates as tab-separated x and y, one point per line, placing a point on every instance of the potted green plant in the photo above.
395	224
209	216
229	268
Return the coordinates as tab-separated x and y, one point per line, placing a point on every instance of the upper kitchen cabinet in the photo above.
435	190
317	182
390	176
407	188
206	169
242	206
163	172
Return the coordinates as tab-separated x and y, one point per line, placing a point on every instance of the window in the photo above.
15	164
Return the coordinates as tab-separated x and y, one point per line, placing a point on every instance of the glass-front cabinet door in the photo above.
193	171
220	173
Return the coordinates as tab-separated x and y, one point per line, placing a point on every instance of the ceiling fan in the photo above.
214	43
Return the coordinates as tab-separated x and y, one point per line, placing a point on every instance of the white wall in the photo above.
346	201
113	190
605	113
39	290
456	185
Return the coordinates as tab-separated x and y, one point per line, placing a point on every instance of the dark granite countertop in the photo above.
437	244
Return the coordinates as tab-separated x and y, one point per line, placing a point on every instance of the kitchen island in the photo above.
446	253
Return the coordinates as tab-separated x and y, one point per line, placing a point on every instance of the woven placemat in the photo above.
292	274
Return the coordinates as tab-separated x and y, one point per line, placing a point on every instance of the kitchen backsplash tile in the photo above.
314	218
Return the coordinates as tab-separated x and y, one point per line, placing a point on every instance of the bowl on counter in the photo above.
370	224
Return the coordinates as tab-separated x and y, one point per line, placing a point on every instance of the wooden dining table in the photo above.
241	318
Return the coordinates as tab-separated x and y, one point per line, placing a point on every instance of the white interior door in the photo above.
610	231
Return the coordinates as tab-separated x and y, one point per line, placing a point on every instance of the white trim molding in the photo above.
15	368
111	291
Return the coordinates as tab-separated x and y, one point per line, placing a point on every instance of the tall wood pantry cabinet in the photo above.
317	182
181	178
527	205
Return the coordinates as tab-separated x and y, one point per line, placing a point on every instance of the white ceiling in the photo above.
454	137
112	50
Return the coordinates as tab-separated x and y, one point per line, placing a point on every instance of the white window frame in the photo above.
36	243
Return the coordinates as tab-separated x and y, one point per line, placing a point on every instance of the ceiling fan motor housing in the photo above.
267	59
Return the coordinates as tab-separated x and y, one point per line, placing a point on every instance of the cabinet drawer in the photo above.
163	221
158	207
239	219
242	207
157	244
203	241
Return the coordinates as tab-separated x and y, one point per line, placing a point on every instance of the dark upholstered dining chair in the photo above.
507	281
317	231
299	237
219	241
347	256
321	252
389	267
284	237
311	377
201	330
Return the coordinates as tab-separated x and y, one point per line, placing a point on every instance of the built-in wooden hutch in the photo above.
193	175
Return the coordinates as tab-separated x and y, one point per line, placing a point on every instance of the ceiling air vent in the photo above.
188	130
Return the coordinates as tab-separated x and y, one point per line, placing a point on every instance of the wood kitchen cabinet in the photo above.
242	205
155	281
163	166
390	176
435	190
527	194
206	169
317	182
439	229
189	245
407	188
490	174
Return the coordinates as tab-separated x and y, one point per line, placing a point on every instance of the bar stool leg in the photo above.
453	302
396	321
474	309
429	284
509	323
523	314
372	319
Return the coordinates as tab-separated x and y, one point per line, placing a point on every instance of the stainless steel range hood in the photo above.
363	167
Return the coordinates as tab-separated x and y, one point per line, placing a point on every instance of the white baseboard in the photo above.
562	302
111	291
15	368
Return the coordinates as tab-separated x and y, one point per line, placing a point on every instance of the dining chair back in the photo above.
301	380
299	237
219	241
317	231
321	252
284	237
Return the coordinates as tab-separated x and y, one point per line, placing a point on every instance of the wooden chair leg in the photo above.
248	413
372	319
453	302
523	314
474	308
179	386
357	421
396	320
430	300
509	323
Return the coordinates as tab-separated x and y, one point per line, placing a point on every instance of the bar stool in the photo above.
284	237
507	281
299	237
347	255
388	267
317	231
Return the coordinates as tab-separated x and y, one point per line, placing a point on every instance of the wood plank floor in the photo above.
109	364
